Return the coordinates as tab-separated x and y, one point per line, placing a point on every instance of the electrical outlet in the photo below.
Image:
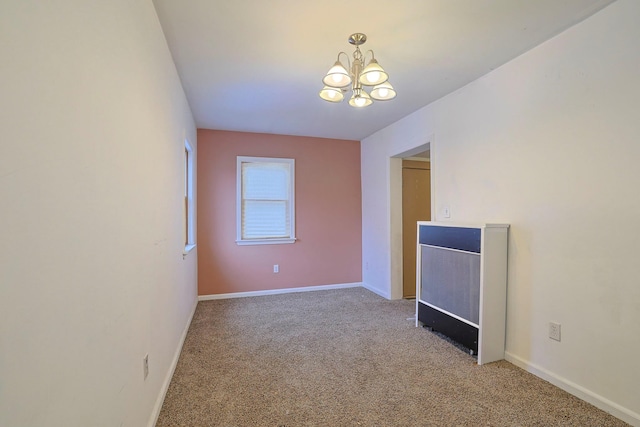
145	366
276	268
554	331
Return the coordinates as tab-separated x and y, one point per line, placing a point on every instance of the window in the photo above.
189	208
265	201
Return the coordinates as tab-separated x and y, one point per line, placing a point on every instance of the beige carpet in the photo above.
347	358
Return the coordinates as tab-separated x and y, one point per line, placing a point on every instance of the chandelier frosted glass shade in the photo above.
383	92
337	76
360	99
340	79
331	94
373	74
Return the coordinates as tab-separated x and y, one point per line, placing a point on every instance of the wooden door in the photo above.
416	206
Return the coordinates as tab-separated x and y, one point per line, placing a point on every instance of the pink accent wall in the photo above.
328	214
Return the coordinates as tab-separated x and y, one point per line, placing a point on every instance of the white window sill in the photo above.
188	249
265	242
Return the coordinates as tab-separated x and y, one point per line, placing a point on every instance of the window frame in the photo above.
189	203
239	206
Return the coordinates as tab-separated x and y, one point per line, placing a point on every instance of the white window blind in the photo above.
189	211
265	200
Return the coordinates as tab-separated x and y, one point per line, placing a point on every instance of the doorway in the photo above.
421	153
416	206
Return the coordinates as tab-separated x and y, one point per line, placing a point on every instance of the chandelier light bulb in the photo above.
373	76
383	92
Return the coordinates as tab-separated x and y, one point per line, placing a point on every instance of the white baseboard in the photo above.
167	380
385	295
596	400
278	291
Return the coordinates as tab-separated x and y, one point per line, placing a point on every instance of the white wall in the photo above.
548	143
92	126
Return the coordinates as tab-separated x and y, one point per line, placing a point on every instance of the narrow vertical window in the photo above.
265	201
189	213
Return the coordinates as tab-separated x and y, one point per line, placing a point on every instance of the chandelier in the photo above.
339	78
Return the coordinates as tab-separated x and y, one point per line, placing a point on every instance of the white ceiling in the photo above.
257	65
